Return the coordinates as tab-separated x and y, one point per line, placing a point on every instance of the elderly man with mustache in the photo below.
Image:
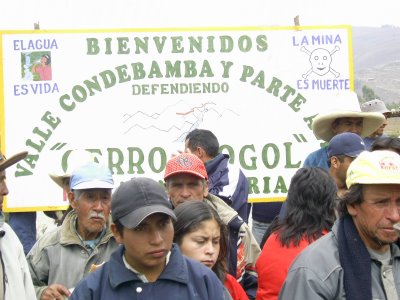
61	258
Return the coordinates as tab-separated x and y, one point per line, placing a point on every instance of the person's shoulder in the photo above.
9	235
318	158
324	249
317	153
226	213
49	238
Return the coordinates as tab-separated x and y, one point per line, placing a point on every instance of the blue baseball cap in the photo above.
346	143
91	176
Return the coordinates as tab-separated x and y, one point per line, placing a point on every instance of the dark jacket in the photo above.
229	183
182	279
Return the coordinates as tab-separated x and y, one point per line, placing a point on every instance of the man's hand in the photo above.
55	292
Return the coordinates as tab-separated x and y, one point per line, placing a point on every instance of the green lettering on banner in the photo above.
115	160
280	186
141	45
162	156
155	71
41	135
177	44
253	159
253	185
123	45
138	163
173	70
276	155
226	65
92	46
288	151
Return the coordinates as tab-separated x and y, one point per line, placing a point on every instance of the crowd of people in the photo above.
334	237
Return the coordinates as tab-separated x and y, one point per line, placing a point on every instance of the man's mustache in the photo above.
97	215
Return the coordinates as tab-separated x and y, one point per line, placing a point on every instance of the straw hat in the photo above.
375	105
13	159
76	159
7	162
347	107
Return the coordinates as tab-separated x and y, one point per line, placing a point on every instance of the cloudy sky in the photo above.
85	14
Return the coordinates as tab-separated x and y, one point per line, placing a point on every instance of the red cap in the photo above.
185	163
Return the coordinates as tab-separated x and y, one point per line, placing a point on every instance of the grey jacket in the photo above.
60	256
316	273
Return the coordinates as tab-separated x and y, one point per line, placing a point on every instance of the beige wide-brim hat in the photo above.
76	159
343	104
7	162
375	105
322	124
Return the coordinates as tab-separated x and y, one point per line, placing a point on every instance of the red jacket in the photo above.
273	264
235	289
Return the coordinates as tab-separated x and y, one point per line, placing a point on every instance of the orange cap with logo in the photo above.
185	163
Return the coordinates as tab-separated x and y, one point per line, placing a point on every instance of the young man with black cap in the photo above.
342	150
147	265
15	279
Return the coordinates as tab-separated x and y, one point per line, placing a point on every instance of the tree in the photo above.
368	93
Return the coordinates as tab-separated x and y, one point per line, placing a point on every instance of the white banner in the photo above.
131	96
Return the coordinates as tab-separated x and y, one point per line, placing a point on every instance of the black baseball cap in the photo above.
136	199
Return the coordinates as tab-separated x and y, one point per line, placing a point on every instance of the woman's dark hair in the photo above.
352	196
386	143
48	59
310	207
190	216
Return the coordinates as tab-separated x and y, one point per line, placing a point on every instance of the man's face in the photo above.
381	129
147	245
3	188
184	187
93	210
375	216
354	125
341	165
203	244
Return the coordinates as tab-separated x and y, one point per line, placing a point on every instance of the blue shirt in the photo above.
317	158
181	279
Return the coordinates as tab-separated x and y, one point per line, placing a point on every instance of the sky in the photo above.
102	14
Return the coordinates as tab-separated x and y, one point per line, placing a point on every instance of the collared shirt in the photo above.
386	272
141	276
89	244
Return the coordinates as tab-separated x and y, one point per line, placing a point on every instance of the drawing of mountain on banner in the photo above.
176	120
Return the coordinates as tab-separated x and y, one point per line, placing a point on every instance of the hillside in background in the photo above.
376	53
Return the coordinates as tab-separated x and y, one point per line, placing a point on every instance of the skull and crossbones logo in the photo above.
320	60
